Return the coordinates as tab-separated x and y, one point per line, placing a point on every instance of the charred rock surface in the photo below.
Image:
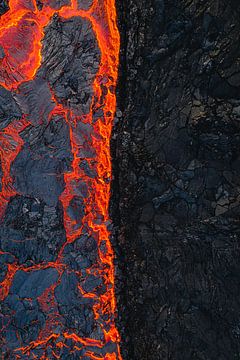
177	176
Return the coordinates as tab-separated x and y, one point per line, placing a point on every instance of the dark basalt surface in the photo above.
176	164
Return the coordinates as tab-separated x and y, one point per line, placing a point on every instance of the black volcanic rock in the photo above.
176	168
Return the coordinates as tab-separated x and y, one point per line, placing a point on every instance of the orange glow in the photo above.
21	35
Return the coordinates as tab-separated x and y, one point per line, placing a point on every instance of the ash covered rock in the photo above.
32	231
70	62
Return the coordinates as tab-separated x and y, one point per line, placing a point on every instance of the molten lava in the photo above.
21	38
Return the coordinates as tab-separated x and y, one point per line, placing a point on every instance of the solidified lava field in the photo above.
58	73
119	179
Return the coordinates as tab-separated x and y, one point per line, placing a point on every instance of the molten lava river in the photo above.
58	73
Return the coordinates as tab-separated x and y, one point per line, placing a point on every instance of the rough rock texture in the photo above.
177	178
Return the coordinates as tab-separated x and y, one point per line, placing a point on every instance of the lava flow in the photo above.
65	303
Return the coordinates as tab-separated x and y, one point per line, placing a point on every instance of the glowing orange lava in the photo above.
21	35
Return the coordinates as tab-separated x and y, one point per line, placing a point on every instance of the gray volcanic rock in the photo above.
70	62
23	316
32	284
9	109
39	168
35	100
55	4
40	177
76	311
32	231
81	254
84	4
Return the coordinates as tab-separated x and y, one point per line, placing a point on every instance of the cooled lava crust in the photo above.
58	72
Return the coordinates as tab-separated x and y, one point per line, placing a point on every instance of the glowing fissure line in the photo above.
102	16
